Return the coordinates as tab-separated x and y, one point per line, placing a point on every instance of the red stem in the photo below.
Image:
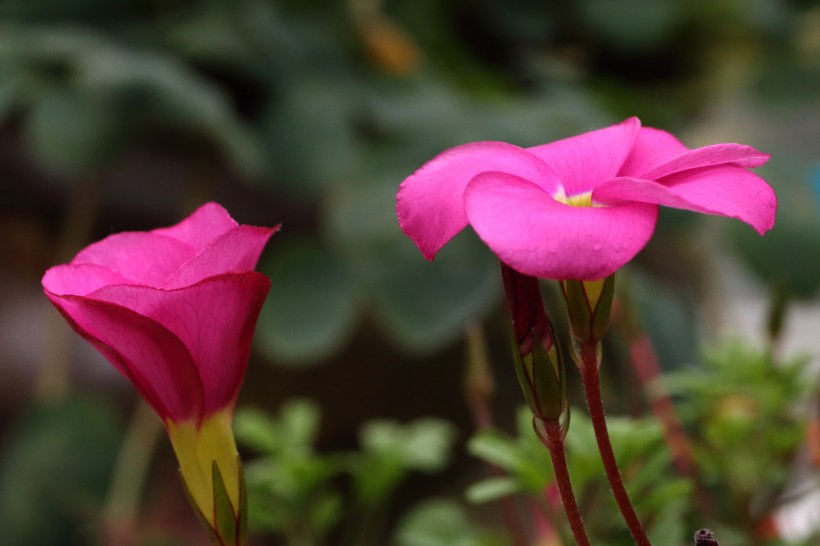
559	464
645	362
592	388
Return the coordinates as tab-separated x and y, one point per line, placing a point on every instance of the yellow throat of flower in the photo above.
197	447
577	200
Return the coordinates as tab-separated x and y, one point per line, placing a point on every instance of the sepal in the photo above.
540	373
589	304
228	524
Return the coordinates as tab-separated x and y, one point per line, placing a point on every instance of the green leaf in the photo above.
73	133
257	430
391	450
632	25
421	305
524	458
425	305
492	489
440	522
293	430
669	526
312	305
311	136
300	422
421	445
496	449
326	512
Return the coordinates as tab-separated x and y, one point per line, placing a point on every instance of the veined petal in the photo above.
583	161
143	258
200	228
709	156
214	319
541	237
430	204
80	279
152	358
235	250
652	147
657	153
726	190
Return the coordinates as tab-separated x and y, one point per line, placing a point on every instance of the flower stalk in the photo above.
592	389
552	436
589	305
540	371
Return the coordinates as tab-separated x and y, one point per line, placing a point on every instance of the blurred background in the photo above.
123	115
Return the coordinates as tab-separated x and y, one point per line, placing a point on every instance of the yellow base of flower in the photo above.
198	446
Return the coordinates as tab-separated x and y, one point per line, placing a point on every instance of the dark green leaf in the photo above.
312	306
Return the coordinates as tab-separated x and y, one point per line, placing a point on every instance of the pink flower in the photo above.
172	309
582	207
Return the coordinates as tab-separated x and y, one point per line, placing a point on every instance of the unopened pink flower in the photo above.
174	310
582	207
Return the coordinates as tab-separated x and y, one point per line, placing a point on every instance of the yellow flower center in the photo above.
577	200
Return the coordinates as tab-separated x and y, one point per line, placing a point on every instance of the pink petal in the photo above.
657	153
726	190
653	147
142	258
236	250
430	203
214	319
200	228
541	237
152	358
80	279
709	156
585	160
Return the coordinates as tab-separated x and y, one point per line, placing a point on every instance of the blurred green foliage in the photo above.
295	491
747	417
54	473
659	495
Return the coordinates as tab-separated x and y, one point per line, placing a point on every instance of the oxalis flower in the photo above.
582	207
174	311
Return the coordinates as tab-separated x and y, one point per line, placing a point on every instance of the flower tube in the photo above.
174	310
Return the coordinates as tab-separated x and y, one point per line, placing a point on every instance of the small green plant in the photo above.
747	416
639	446
304	495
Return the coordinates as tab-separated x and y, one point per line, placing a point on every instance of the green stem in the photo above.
555	444
122	505
592	387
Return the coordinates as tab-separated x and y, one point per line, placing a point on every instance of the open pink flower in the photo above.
582	207
172	309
